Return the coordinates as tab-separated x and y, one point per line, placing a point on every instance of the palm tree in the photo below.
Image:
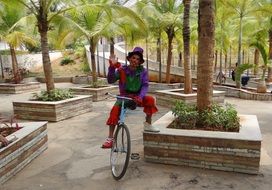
261	87
96	20
206	37
266	11
186	47
223	33
12	33
171	23
153	20
242	9
169	18
45	12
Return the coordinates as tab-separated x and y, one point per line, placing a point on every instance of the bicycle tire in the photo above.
120	147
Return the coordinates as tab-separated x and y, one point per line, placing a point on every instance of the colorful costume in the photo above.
134	84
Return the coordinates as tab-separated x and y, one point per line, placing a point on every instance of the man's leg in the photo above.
148	119
149	109
112	122
111	131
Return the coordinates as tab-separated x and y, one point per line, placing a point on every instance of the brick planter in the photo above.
8	88
154	86
227	151
31	142
247	93
97	93
87	80
52	111
56	79
167	98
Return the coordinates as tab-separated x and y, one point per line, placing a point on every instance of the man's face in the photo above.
134	61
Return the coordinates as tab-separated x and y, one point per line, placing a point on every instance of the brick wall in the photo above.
244	94
52	111
19	88
31	142
167	98
237	152
97	93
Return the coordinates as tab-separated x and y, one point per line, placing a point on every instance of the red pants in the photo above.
148	104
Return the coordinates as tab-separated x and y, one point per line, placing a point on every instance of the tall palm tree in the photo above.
242	9
206	37
223	34
186	47
45	12
97	19
170	13
261	87
266	11
153	20
12	33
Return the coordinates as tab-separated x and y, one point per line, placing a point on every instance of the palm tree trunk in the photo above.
2	69
111	46
97	57
256	61
169	55
146	43
186	47
226	62
269	78
220	66
180	59
215	61
230	61
238	83
14	61
206	34
104	58
48	74
159	59
243	57
92	51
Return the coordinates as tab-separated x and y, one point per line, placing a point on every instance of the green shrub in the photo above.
216	118
85	67
221	117
53	95
185	113
66	61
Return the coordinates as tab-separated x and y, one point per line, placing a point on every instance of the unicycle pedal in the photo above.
135	156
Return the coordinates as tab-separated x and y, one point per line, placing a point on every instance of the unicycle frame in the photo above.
123	149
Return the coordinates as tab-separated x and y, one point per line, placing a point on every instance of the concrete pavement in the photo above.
74	159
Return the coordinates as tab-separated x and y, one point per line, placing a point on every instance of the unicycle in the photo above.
121	148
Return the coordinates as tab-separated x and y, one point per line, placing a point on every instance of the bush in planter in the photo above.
218	118
53	95
97	84
66	61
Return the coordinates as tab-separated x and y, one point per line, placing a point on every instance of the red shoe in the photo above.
108	143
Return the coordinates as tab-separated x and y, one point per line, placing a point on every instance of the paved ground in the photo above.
74	159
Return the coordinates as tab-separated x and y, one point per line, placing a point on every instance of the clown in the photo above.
133	83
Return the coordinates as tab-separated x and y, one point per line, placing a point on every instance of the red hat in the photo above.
137	51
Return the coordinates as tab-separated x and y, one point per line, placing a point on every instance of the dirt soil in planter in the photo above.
176	124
